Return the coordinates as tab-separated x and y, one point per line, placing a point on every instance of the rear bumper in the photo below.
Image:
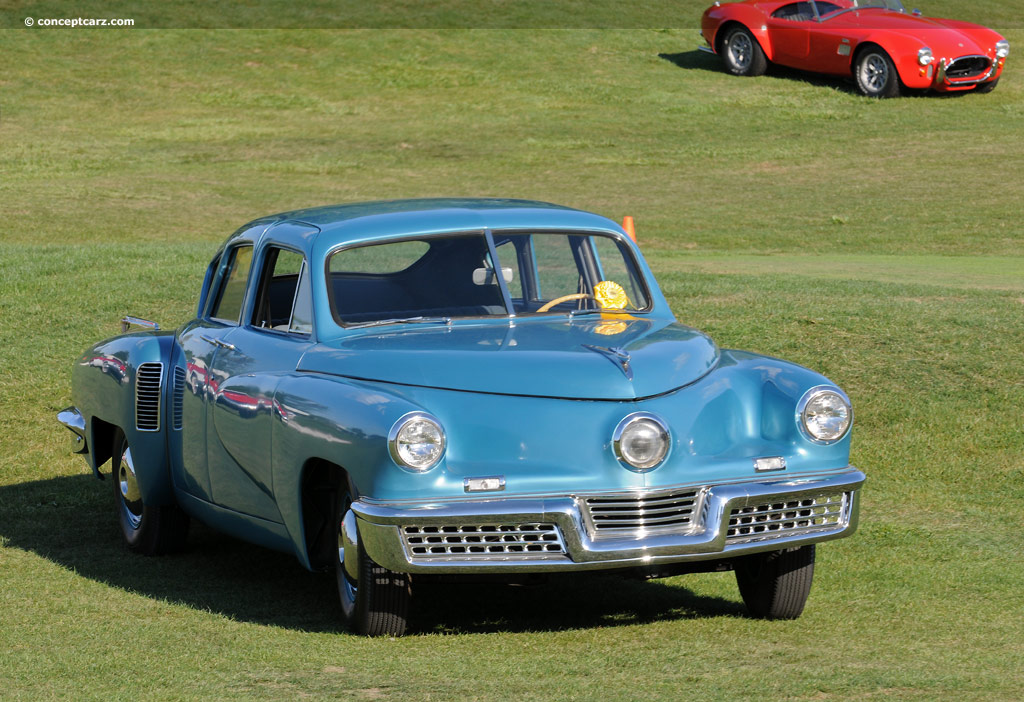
558	533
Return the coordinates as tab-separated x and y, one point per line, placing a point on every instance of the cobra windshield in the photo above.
484	274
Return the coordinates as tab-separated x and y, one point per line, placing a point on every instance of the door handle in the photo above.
217	342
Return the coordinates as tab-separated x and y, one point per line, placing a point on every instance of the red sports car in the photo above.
883	46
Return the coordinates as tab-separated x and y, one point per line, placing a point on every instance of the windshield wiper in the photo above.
400	320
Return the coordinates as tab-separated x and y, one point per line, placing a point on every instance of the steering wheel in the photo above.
565	298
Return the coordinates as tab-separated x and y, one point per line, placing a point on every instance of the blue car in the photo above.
398	390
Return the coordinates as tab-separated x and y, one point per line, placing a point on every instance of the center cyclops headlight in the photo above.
641	441
824	414
416	441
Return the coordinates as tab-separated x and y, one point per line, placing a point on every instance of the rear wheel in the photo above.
876	74
148	529
374	600
775	585
742	54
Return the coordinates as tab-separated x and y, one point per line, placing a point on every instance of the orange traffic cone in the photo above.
627	224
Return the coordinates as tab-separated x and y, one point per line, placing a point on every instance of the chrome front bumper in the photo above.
71	418
557	533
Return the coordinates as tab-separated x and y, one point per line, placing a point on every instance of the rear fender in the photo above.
104	382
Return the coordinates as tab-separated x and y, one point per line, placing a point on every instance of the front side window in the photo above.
455	276
228	304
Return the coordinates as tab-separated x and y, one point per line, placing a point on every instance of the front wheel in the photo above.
775	584
374	600
148	529
742	54
876	74
987	87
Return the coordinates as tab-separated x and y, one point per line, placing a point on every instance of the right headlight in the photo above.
824	414
416	441
924	56
641	441
1002	48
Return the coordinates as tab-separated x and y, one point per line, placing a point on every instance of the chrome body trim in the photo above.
71	418
381	527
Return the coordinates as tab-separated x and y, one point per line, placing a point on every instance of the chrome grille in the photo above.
968	67
780	519
147	396
179	395
483	541
641	513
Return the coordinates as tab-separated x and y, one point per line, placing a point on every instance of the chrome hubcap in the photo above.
128	486
874	73
740	50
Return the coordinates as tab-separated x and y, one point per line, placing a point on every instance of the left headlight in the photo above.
416	441
824	414
1002	48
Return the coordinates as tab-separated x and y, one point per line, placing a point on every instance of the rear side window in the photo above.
228	305
283	302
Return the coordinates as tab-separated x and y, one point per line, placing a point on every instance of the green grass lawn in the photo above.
879	242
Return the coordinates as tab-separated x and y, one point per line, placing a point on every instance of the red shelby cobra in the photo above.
884	47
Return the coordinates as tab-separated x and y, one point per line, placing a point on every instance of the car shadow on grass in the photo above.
703	61
71	522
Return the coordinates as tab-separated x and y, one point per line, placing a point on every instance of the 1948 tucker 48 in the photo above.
408	388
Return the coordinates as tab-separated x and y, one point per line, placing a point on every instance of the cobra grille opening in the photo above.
780	519
968	67
642	513
483	541
147	396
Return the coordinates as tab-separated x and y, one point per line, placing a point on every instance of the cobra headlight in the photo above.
1002	48
824	414
416	441
641	441
924	56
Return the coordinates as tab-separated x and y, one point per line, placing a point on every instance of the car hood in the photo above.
948	38
612	357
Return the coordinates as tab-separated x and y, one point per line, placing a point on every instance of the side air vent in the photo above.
147	396
179	394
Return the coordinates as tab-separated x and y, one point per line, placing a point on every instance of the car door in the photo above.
276	332
200	341
789	29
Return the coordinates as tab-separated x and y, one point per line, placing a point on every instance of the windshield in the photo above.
451	276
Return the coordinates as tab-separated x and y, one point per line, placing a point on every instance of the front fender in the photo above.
334	419
717	20
104	382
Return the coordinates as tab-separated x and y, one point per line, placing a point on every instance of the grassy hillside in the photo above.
879	242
